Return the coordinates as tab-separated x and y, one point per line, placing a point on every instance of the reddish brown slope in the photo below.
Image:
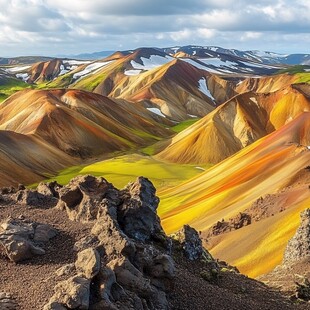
77	122
25	159
44	71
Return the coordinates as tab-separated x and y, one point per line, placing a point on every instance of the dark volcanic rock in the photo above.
85	197
20	239
115	255
50	189
137	214
298	247
35	198
303	289
127	264
7	302
240	220
191	242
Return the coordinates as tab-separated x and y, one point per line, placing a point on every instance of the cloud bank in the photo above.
50	27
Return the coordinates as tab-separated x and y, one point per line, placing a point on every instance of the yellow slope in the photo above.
234	184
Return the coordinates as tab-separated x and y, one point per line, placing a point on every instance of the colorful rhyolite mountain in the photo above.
267	166
235	124
66	125
254	129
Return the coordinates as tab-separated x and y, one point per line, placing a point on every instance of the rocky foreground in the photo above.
88	245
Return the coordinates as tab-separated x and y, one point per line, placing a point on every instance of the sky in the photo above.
55	27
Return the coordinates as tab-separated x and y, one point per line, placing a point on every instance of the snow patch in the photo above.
17	69
150	63
156	111
195	63
194	116
132	72
253	99
23	76
76	62
203	87
91	69
205	67
200	168
63	70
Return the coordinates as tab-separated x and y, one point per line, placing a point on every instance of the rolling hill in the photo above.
237	123
230	187
27	158
78	122
66	126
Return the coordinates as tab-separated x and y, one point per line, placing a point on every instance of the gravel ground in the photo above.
32	282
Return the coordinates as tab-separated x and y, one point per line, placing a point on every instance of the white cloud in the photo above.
72	26
250	35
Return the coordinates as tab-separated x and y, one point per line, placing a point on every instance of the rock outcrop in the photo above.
125	263
21	239
84	197
298	247
112	254
87	198
293	275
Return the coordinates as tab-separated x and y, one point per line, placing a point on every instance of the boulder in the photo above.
19	238
34	198
50	189
88	263
43	233
111	237
190	242
298	247
137	215
73	293
85	196
124	259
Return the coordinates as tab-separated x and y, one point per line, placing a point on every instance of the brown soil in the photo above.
232	291
32	282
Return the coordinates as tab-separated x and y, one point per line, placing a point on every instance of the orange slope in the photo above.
267	84
235	124
234	184
173	88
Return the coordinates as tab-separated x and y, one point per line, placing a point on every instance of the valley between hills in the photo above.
223	135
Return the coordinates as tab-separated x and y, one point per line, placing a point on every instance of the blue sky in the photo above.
51	27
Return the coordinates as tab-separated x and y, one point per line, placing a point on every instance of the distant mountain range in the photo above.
214	51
